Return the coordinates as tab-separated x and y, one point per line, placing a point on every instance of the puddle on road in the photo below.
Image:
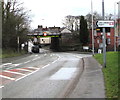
64	74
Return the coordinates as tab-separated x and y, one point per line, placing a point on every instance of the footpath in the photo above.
91	82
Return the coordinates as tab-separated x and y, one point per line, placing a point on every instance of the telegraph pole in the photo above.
104	37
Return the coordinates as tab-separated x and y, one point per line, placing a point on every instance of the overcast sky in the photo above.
52	12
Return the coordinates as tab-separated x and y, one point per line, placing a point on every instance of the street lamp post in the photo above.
118	23
92	28
115	26
104	37
18	43
18	39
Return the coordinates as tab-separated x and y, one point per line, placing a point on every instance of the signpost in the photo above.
104	37
103	23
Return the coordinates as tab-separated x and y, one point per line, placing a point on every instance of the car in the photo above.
35	49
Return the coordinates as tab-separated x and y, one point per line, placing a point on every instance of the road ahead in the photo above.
49	75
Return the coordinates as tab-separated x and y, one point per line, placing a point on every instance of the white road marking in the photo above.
6	64
45	66
27	61
26	75
51	63
36	55
14	72
25	70
63	74
7	77
16	64
34	68
56	60
9	65
35	58
1	86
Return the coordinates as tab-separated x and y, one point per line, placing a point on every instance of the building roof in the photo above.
66	31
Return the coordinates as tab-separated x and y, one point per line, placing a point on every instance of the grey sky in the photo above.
52	12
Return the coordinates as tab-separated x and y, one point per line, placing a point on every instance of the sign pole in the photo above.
104	38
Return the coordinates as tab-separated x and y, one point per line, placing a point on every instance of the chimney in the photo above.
40	26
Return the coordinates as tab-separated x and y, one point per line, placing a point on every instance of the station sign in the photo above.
38	35
105	23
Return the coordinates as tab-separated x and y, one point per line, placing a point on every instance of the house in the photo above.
66	36
98	35
54	29
65	30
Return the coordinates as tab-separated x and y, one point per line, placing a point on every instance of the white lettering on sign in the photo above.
105	23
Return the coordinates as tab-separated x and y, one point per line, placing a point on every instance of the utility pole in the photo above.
104	37
92	29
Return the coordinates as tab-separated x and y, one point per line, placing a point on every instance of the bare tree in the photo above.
109	17
96	17
15	22
77	23
69	22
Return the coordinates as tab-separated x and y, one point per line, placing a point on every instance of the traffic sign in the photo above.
105	23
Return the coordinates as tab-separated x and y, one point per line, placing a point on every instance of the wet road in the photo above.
49	75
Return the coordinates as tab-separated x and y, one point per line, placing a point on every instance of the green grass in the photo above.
10	53
110	73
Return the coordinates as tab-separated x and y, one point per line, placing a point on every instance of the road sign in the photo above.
105	23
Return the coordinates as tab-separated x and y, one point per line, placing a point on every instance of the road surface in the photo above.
47	75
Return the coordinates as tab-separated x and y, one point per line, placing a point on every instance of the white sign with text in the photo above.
105	23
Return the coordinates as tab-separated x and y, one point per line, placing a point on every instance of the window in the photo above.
108	33
108	40
95	33
101	45
100	29
98	41
107	29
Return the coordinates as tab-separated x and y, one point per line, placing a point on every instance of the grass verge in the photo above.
110	73
10	53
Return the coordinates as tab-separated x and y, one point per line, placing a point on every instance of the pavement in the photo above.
91	82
